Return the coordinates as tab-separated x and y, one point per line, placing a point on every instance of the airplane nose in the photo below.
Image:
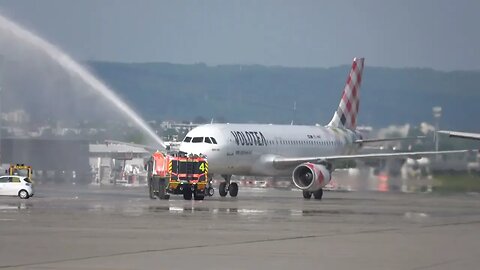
193	148
184	148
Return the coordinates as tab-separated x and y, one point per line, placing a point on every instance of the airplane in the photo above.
458	134
307	153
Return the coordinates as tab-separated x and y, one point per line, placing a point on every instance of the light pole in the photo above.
1	152
437	113
294	112
1	84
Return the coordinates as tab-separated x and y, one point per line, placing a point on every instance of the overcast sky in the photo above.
440	34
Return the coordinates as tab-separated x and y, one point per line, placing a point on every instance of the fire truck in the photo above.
20	169
178	173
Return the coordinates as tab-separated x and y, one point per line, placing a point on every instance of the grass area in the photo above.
457	183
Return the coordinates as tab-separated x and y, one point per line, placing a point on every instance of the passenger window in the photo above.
15	180
213	140
187	139
4	179
197	139
207	140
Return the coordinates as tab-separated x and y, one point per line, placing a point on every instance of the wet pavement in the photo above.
120	228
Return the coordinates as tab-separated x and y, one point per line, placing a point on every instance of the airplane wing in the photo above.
286	162
390	139
457	134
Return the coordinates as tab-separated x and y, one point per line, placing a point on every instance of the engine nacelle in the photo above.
311	177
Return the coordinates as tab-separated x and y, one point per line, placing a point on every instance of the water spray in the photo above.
76	69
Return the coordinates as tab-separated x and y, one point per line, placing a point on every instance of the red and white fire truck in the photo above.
178	173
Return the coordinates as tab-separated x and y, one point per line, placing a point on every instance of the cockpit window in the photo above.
187	139
197	139
213	140
207	140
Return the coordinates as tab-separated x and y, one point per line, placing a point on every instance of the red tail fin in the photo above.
346	114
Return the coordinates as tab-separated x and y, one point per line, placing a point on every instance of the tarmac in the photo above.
71	227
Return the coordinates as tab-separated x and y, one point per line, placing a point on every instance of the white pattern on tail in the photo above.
346	114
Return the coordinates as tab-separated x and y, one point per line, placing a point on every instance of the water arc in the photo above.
75	69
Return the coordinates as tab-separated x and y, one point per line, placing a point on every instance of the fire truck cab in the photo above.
177	173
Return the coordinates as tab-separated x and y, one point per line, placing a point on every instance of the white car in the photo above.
14	185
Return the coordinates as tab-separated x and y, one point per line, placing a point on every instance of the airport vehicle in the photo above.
21	169
14	185
177	173
157	177
307	153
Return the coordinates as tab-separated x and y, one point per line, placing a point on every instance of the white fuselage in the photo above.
249	149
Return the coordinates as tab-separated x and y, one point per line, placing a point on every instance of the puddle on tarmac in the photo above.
15	206
416	216
136	209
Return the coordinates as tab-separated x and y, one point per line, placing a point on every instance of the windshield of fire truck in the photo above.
21	172
188	167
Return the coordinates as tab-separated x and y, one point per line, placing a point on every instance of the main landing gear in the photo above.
316	194
227	187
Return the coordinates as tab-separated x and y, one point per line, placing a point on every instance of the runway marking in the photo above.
452	224
197	246
436	264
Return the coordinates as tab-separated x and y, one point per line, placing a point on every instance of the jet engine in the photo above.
311	177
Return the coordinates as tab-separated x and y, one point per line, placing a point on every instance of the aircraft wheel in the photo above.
222	189
210	191
318	194
233	190
307	194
